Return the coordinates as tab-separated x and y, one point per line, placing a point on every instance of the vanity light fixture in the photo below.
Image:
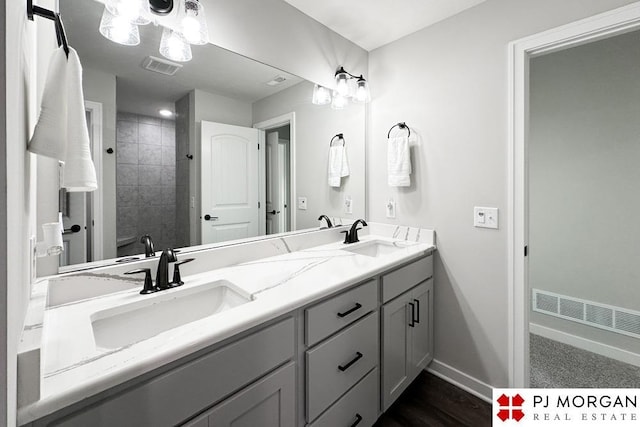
347	86
188	26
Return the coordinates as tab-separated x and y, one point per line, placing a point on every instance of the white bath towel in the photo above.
398	162
79	173
50	135
338	164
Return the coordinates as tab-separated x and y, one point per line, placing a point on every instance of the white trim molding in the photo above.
97	198
461	380
611	23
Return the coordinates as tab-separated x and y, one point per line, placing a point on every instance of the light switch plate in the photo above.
302	203
485	217
391	208
348	205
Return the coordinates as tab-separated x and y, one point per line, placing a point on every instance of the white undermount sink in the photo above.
130	323
373	248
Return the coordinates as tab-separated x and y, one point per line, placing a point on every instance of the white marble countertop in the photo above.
74	368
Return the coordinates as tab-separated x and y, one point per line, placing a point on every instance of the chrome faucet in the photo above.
148	246
326	218
162	274
351	236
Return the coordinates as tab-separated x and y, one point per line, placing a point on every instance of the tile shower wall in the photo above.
182	172
146	181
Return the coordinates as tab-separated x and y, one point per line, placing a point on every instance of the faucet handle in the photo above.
148	282
177	280
346	236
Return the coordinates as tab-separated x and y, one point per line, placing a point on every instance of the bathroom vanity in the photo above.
295	330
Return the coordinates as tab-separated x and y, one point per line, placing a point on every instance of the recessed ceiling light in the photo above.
165	113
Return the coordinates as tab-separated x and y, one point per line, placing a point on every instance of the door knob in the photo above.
273	212
74	229
208	217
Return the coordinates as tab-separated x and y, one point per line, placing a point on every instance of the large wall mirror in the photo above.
197	176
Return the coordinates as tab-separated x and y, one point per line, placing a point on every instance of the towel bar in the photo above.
339	136
55	17
401	125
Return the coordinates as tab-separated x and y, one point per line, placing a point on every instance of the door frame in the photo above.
594	28
264	126
97	196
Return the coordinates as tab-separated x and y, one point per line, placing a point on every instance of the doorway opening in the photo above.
521	52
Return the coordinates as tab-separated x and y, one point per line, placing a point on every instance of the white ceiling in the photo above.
374	23
212	69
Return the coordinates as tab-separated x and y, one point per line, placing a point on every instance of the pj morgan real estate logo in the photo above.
584	407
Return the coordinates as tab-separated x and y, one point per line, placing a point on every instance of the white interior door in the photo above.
276	160
229	182
74	218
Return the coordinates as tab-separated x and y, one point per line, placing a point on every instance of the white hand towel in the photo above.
338	165
79	172
50	135
398	162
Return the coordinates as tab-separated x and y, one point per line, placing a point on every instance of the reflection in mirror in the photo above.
176	147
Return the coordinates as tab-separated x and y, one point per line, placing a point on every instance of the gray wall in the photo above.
146	181
315	126
101	87
583	166
183	164
449	83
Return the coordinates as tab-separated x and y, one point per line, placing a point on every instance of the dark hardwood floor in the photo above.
431	401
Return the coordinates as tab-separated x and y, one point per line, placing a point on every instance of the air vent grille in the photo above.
602	316
161	66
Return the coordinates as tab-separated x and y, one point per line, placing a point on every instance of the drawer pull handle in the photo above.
358	306
354	360
417	311
358	419
413	313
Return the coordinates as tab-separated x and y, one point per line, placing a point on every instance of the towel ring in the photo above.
401	125
339	136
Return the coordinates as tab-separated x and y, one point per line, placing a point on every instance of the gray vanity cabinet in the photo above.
407	330
268	403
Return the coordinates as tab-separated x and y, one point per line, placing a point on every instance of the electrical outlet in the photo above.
302	203
485	217
391	208
348	205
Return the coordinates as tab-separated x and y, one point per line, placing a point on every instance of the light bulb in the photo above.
173	46
193	23
191	29
362	94
119	29
339	101
321	95
135	11
342	84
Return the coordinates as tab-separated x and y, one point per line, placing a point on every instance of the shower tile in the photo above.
168	123
127	117
127	216
127	175
149	134
169	176
150	120
168	156
168	137
149	154
169	234
169	196
127	132
127	195
127	231
150	195
151	175
127	153
150	222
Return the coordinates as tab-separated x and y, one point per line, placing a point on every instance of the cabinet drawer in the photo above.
337	364
405	278
360	405
175	396
334	314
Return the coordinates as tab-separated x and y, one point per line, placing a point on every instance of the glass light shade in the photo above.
173	46
135	11
119	29
193	23
321	95
339	102
362	94
342	82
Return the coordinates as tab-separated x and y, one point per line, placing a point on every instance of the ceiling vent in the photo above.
161	66
277	80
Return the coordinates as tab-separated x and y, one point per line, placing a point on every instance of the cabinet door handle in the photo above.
351	310
413	312
348	365
357	421
417	310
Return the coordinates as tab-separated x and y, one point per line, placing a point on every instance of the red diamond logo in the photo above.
510	407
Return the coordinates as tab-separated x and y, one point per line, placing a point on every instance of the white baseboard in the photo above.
586	344
461	380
